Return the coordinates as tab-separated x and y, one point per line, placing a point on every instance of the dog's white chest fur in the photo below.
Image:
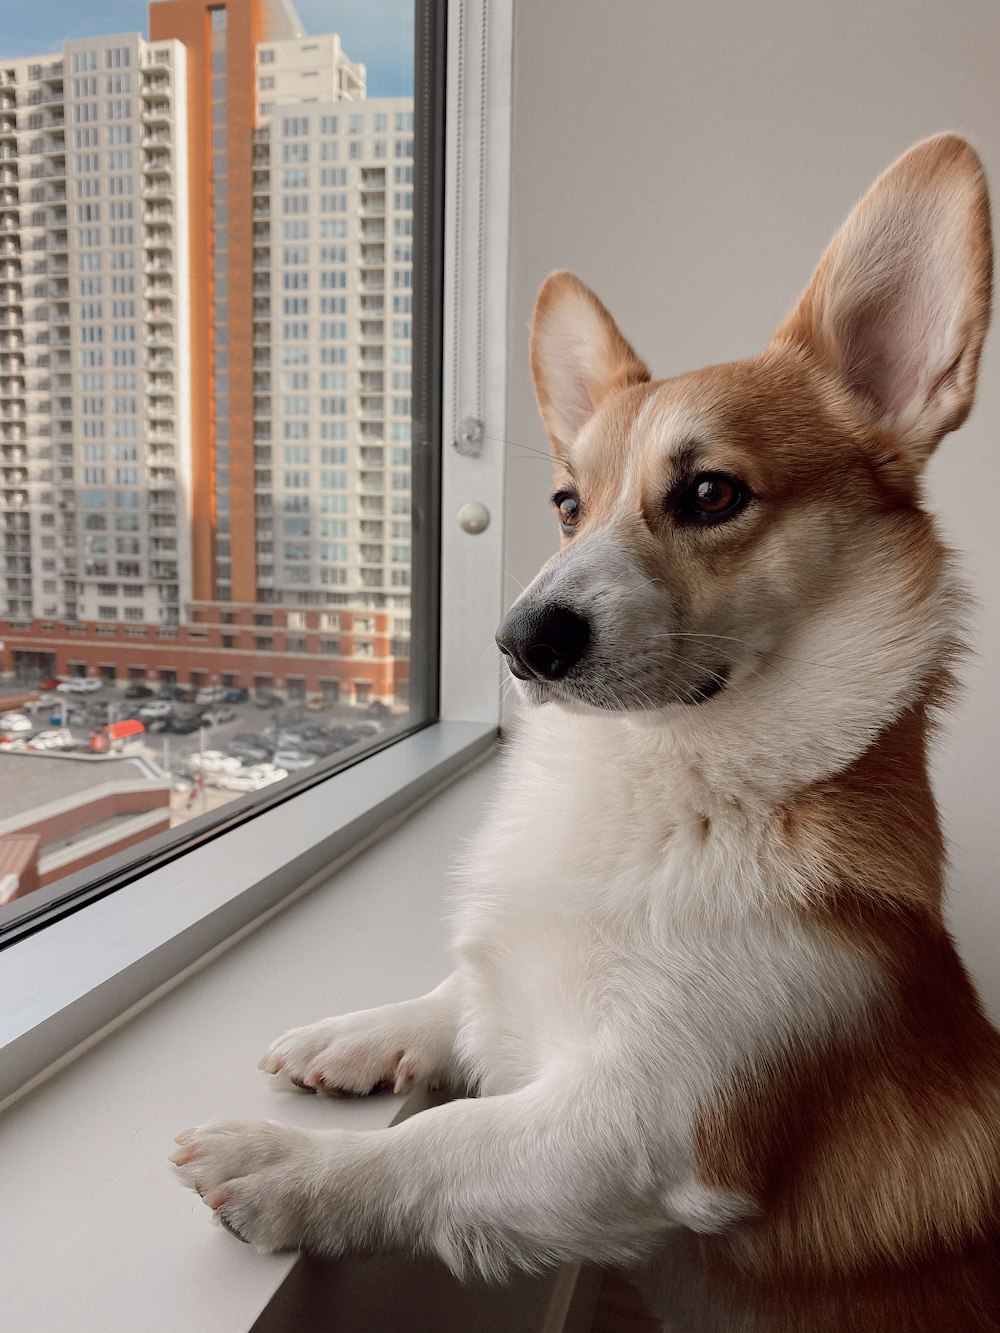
611	914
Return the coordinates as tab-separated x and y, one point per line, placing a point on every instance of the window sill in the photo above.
97	1233
78	975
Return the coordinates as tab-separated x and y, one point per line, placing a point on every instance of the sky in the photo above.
379	33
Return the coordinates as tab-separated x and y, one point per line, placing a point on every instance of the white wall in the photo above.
690	161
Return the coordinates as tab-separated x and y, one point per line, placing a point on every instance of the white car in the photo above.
158	708
15	722
217	716
212	762
211	694
80	685
252	779
294	759
60	739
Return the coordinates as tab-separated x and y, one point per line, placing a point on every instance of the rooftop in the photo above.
28	782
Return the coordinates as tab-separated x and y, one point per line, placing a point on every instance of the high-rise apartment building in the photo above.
94	366
205	268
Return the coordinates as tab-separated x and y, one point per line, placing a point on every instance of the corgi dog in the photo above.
703	986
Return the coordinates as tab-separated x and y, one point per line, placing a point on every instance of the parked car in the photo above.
251	752
378	709
51	683
364	731
320	704
235	694
180	694
215	717
344	736
60	739
294	759
291	739
15	722
80	685
252	779
183	724
158	708
210	694
211	762
322	747
138	691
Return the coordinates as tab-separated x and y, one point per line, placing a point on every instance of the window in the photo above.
323	575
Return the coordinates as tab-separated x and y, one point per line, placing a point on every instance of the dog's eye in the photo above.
711	498
569	509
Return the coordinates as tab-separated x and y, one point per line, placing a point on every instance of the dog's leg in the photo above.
389	1048
555	1171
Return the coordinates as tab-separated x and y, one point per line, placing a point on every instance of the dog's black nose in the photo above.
542	643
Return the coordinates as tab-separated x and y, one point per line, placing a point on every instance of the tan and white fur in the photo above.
702	982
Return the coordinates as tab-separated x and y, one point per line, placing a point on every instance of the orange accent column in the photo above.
189	21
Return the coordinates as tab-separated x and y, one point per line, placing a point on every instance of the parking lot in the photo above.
252	736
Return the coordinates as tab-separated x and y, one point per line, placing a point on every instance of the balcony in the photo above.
158	113
158	239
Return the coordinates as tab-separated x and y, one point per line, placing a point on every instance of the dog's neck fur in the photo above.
800	716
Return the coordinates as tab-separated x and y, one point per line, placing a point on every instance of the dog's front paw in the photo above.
258	1177
354	1055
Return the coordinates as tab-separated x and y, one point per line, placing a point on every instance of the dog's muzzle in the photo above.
542	642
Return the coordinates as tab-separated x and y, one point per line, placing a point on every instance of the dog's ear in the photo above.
578	357
899	304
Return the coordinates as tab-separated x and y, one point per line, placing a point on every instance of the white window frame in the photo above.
63	987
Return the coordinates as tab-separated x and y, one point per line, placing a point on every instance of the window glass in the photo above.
184	442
